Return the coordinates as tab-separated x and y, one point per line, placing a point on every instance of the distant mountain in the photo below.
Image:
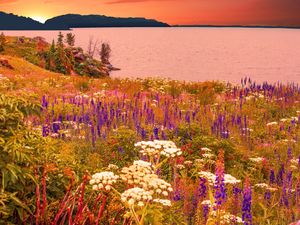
77	21
13	22
239	26
65	22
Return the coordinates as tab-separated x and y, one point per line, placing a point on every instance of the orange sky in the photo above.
244	12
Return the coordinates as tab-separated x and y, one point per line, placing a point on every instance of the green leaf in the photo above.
19	203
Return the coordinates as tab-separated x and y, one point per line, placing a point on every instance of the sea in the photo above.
195	53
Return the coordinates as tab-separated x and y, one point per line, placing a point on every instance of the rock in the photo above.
4	62
38	38
94	71
115	69
79	57
110	67
21	40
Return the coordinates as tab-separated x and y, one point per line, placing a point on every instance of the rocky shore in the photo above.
58	57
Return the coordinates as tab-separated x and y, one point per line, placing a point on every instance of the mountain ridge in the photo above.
9	21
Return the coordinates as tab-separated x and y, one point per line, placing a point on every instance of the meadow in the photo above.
82	150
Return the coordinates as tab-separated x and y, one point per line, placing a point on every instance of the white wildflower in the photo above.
112	167
211	178
171	152
164	202
257	159
265	186
180	166
156	147
136	196
208	155
206	149
136	173
227	218
103	180
272	124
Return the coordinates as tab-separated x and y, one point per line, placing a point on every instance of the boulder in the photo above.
79	57
94	71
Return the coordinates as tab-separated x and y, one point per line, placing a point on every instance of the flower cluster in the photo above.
157	185
208	203
103	180
171	152
158	147
136	173
257	159
112	167
227	218
211	178
265	186
164	202
272	124
136	195
205	149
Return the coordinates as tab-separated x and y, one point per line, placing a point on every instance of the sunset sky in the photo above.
217	12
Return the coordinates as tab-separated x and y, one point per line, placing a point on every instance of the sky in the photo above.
191	12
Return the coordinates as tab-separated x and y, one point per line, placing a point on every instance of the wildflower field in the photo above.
77	150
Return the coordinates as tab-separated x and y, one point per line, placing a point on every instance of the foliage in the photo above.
70	39
19	148
92	126
105	53
2	42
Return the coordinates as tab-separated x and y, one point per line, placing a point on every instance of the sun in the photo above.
40	19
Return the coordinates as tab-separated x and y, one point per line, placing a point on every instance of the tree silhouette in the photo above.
105	53
70	39
60	39
50	61
2	42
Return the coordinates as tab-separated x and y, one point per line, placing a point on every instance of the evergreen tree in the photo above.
105	53
2	42
60	60
60	55
50	62
60	39
70	39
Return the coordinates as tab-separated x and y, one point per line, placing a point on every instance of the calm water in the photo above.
197	54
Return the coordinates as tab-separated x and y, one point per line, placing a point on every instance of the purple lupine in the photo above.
177	195
163	135
236	193
247	202
220	190
267	197
279	177
272	177
55	126
206	209
155	131
284	197
290	153
202	189
289	181
45	130
93	135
